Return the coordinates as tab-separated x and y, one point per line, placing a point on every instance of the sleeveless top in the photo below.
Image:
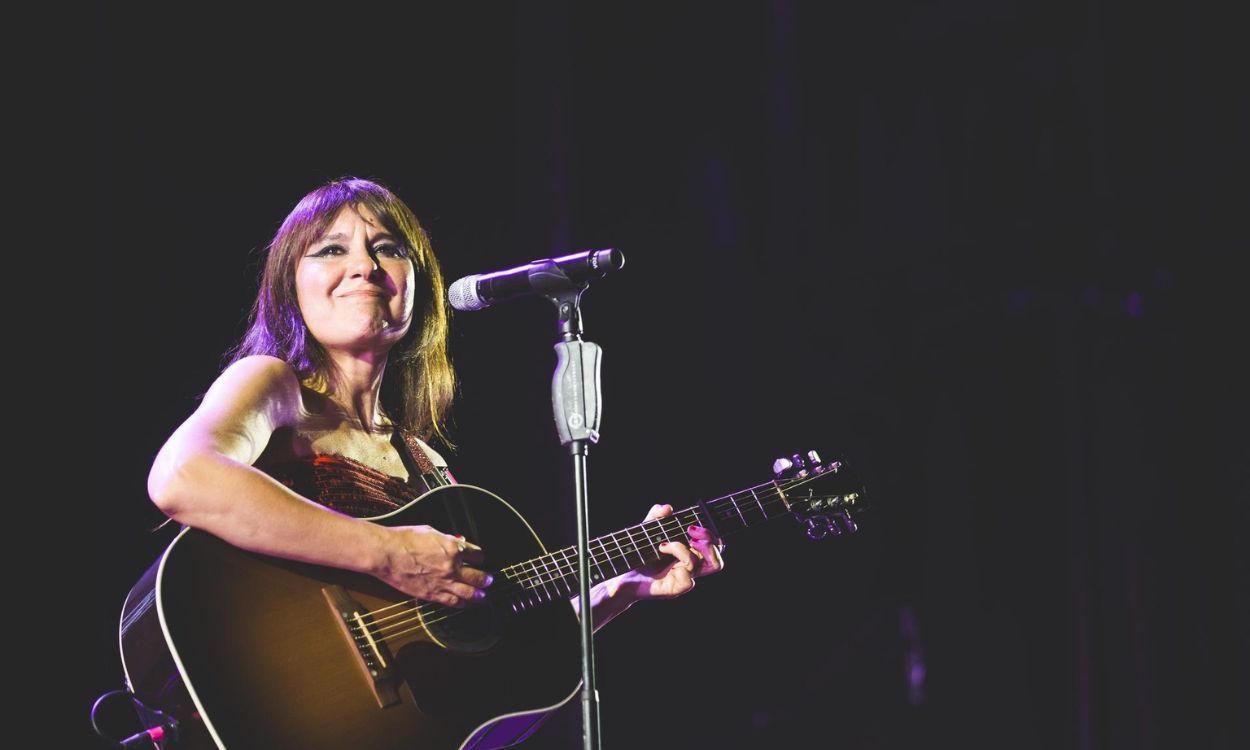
356	489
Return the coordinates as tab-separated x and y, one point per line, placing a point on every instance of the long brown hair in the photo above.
419	393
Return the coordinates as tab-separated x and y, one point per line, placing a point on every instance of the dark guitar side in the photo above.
264	655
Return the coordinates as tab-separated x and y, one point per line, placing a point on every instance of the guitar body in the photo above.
248	651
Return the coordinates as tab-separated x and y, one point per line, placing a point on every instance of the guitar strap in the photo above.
418	461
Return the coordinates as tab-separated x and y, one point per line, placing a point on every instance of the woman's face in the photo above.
355	284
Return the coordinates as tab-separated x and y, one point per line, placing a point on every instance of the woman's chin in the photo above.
374	335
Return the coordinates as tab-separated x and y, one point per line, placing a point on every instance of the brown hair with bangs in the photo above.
418	395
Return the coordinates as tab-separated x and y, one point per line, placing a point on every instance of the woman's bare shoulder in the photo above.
259	371
257	383
261	366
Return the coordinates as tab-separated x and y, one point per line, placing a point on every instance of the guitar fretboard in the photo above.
554	576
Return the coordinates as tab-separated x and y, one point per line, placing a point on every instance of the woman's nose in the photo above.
364	263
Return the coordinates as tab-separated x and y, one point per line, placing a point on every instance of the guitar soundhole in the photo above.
470	630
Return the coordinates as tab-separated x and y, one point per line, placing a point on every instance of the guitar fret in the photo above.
750	504
781	495
628	548
646	535
608	554
563	576
540	582
570	557
663	531
722	517
561	563
569	571
779	501
759	502
545	573
540	571
531	581
596	573
666	532
574	568
641	555
674	534
631	549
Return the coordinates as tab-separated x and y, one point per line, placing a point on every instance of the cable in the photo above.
151	737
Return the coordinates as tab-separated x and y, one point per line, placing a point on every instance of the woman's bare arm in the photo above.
203	477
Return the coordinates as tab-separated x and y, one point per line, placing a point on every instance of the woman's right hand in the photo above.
428	564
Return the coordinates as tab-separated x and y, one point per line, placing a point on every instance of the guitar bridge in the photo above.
373	656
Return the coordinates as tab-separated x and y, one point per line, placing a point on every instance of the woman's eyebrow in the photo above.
386	236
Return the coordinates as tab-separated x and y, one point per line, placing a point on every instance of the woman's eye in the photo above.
328	250
394	251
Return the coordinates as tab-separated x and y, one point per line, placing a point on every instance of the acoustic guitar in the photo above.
232	649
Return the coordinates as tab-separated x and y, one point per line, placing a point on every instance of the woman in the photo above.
344	371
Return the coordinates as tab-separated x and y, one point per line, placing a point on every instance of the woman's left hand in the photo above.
674	577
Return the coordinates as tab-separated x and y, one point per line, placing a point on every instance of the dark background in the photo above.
981	250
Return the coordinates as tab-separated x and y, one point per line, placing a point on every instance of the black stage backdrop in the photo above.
982	250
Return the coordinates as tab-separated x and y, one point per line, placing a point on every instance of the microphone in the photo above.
542	276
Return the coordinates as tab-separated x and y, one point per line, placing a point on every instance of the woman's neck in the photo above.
354	383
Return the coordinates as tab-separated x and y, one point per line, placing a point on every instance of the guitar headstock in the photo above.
822	495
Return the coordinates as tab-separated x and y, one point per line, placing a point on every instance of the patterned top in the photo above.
356	489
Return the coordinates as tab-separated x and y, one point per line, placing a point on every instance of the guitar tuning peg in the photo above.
781	466
816	530
797	458
822	527
813	458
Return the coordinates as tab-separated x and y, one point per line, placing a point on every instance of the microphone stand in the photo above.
577	405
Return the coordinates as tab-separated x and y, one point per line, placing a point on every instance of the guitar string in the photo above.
425	618
550	572
554	576
426	612
557	573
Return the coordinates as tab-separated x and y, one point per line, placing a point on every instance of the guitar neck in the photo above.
555	574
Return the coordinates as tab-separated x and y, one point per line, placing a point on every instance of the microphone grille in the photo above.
462	294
